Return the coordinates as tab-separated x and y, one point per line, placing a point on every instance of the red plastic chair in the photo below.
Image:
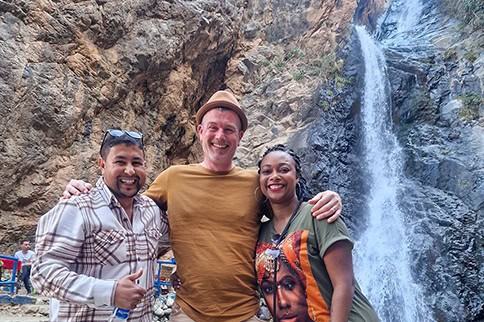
10	263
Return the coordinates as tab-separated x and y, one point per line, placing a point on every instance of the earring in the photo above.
256	193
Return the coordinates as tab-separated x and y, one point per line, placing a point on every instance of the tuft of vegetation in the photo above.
471	55
299	74
471	102
332	66
324	105
450	54
470	12
468	114
279	65
328	67
266	63
341	81
295	53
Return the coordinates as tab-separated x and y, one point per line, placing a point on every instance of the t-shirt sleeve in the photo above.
158	191
329	233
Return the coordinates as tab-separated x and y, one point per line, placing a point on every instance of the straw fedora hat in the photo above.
223	99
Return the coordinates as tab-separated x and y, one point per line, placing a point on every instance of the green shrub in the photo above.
340	81
450	54
313	72
468	114
471	102
265	63
331	66
295	53
299	74
324	105
471	55
279	65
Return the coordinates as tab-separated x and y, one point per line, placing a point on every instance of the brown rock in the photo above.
71	70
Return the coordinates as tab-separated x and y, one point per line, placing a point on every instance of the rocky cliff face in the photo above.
69	70
439	111
286	51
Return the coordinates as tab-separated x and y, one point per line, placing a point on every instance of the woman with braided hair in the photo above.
304	266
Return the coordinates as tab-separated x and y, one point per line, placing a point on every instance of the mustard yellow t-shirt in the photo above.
213	233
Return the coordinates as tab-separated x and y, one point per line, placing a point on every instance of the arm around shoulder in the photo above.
75	188
327	204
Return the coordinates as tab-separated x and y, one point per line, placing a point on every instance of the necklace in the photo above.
274	252
277	239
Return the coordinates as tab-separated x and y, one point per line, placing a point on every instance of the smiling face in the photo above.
124	170
278	177
290	297
220	135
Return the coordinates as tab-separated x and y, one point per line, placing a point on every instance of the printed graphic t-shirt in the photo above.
301	269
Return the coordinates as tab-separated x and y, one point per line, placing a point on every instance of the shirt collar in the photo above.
110	198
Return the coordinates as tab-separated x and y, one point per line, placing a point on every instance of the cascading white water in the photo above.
410	15
382	262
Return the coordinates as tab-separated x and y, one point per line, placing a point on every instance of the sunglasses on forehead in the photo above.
117	133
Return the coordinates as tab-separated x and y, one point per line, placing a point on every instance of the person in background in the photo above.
26	256
99	250
214	221
304	266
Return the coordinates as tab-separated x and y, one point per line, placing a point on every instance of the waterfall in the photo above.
382	263
410	16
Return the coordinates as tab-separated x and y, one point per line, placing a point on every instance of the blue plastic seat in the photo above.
13	264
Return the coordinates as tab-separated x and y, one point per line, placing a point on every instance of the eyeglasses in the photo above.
116	133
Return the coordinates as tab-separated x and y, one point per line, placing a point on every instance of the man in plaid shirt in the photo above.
99	250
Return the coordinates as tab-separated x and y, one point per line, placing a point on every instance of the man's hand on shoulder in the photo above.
75	188
327	204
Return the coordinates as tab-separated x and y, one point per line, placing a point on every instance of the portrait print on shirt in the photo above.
298	296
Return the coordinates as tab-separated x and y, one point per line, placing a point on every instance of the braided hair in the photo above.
302	190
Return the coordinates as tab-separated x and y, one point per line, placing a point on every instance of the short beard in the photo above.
118	193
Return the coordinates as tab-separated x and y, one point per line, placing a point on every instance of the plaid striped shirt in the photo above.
85	244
